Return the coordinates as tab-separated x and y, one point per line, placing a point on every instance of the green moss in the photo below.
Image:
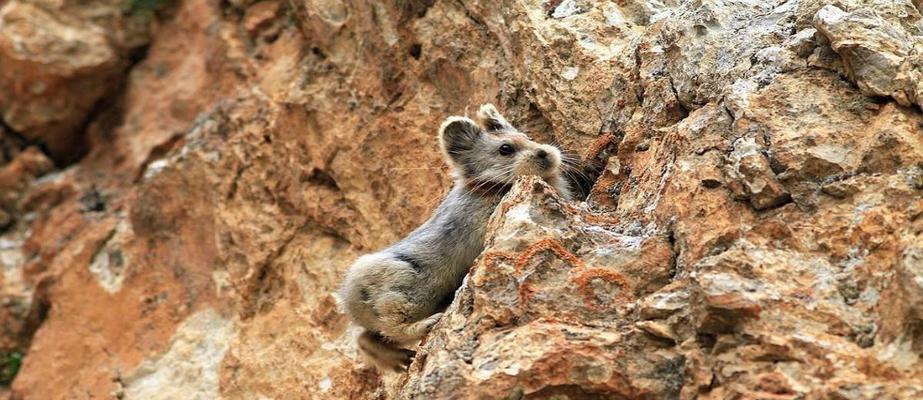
9	366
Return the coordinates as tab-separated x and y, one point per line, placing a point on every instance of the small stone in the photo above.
657	329
259	15
840	189
755	179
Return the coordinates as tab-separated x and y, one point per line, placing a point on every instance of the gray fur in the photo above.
491	119
398	293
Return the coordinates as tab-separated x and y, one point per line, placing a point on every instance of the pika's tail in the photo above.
383	353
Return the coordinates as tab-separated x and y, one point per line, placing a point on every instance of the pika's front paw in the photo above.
430	322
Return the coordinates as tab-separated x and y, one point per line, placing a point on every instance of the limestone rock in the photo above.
549	309
752	177
19	174
58	63
753	226
879	54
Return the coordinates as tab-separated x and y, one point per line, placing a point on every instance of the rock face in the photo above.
754	228
59	60
550	310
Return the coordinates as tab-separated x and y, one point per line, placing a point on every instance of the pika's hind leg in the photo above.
397	322
379	296
383	354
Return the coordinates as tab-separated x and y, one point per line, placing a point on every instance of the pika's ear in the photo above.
457	135
491	119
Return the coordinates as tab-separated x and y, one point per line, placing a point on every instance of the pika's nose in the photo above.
541	153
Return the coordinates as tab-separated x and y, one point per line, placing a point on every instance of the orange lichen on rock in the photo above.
584	278
546	244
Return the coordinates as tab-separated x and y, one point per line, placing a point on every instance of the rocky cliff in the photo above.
182	185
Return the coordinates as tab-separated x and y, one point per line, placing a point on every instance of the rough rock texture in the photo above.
551	310
755	229
59	59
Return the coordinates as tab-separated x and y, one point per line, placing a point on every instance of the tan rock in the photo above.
16	176
54	70
544	314
58	63
752	178
880	56
754	231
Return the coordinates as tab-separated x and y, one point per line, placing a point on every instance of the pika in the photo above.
399	293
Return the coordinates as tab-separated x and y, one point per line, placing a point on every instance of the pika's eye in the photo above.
506	150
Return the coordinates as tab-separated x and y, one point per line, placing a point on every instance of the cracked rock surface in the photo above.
183	186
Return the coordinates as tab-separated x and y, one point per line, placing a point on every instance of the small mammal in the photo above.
398	293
